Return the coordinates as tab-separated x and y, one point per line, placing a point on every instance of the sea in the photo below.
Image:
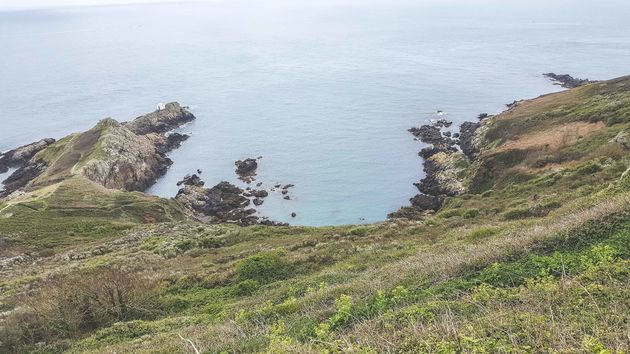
324	91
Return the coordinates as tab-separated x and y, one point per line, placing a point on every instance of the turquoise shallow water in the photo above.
324	91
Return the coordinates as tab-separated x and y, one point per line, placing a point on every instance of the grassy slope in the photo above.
534	258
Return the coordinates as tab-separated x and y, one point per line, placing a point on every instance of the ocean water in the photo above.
324	91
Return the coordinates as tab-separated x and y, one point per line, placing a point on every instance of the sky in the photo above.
36	4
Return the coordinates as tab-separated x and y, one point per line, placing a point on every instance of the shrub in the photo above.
184	245
482	232
263	267
361	230
245	287
68	306
587	169
470	213
516	213
210	242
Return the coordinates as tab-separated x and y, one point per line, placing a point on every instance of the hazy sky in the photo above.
528	4
30	4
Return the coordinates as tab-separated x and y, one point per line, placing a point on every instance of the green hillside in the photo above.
535	257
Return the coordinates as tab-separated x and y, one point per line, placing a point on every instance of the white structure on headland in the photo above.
160	106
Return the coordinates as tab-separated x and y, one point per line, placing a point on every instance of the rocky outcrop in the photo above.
567	81
466	139
23	176
223	203
193	180
122	159
246	169
170	117
20	156
444	166
443	176
167	143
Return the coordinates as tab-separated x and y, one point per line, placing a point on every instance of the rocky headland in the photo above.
125	156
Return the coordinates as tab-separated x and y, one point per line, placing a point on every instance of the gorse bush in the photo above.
263	267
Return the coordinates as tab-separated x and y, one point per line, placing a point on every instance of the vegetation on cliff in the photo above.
534	256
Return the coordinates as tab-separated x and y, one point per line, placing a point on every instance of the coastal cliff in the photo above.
517	241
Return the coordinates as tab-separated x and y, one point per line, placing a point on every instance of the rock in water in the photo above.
567	81
20	156
161	121
246	169
22	176
222	203
193	180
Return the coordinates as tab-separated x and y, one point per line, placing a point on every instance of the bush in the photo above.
210	242
482	232
69	306
361	230
587	169
516	213
184	245
245	287
470	213
263	267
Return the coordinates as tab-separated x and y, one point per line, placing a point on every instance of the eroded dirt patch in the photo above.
553	139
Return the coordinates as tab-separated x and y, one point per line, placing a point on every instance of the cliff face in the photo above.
125	156
121	159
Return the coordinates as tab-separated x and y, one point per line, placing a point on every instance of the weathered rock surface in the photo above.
161	121
167	143
222	203
20	156
444	166
124	160
623	138
466	139
193	180
567	81
22	176
443	175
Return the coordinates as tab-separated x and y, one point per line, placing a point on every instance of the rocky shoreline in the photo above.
445	163
566	80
